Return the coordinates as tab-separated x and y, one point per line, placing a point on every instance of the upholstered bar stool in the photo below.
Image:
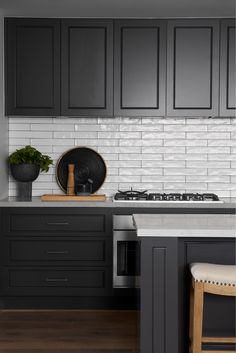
213	279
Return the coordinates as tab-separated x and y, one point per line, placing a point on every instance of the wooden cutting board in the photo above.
49	197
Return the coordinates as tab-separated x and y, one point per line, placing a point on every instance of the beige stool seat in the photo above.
214	279
215	274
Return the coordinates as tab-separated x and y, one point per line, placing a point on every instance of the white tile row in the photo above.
160	154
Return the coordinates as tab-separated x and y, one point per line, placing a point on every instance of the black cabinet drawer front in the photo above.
45	224
84	278
213	252
39	250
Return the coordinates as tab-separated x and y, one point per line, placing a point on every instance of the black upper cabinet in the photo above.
32	67
140	67
227	69
87	67
65	67
193	68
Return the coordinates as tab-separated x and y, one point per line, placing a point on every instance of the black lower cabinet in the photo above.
159	296
49	253
165	284
90	281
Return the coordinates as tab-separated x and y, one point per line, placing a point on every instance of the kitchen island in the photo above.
169	243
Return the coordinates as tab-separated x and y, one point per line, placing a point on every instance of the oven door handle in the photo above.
123	258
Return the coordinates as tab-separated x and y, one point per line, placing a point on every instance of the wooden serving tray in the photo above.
49	197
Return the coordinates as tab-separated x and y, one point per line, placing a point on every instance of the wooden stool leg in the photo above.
191	318
197	317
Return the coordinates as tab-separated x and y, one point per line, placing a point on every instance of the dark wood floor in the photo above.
68	331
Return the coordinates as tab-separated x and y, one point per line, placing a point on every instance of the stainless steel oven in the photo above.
126	253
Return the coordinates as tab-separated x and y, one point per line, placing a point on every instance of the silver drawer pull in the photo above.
65	252
58	223
57	279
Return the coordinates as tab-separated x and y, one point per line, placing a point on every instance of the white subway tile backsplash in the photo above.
17	127
152	157
110	156
208	135
140	171
185	142
208	164
222	157
187	157
155	153
200	187
123	164
52	127
165	164
209	121
152	127
222	142
163	150
154	185
75	134
121	179
163	135
164	121
185	171
119	135
56	142
221	186
233	179
30	120
208	150
76	120
20	142
220	128
30	134
208	178
118	150
130	156
132	142
221	171
164	178
184	128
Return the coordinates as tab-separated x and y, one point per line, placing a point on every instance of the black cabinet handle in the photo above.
57	223
65	252
57	279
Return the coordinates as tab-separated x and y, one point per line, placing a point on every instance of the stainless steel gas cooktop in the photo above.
144	196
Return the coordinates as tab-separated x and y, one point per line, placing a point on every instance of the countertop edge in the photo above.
36	202
206	229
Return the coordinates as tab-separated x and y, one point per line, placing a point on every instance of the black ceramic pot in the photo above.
25	174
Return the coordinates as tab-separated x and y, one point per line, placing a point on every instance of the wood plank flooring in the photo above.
68	331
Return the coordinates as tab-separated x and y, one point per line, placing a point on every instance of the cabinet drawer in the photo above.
40	278
87	281
83	250
36	222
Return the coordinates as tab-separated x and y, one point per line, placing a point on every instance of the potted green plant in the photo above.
25	165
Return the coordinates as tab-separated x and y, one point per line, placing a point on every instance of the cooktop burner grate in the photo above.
133	195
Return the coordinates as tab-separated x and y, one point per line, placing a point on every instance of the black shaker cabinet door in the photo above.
227	69
193	68
87	66
140	64
32	67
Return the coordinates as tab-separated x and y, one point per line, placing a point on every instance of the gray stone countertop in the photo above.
36	202
185	225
